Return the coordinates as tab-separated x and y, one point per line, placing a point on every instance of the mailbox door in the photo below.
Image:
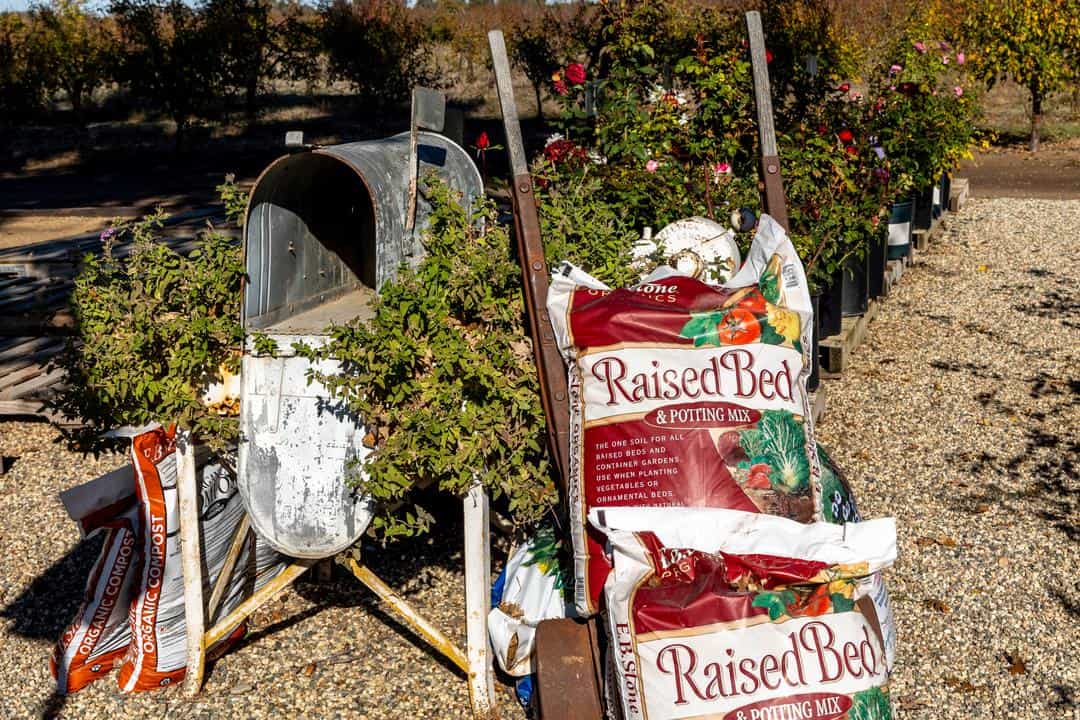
296	452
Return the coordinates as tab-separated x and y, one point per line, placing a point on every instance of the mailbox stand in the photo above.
475	662
325	228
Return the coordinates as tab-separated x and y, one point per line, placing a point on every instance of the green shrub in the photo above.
443	376
152	330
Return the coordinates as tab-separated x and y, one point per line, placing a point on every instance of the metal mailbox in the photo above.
325	228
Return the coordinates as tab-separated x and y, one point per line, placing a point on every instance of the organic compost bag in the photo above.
158	649
687	394
98	637
745	616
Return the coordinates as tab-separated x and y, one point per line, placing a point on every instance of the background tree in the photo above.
533	53
258	43
169	58
1035	43
76	46
23	78
376	45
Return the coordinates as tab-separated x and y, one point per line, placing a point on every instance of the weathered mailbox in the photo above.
325	228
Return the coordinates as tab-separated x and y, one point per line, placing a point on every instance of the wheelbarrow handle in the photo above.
534	271
775	203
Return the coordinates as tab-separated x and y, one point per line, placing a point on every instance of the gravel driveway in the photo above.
960	416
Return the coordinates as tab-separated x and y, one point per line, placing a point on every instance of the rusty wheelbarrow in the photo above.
568	660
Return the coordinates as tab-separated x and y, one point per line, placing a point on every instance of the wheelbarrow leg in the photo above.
567	662
190	558
478	604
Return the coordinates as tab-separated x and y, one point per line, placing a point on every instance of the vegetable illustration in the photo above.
738	327
778	441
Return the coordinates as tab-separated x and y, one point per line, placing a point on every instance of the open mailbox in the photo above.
325	228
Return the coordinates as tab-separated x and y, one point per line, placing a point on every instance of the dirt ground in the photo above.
1053	173
21	230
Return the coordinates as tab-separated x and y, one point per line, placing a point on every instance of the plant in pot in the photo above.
922	110
667	143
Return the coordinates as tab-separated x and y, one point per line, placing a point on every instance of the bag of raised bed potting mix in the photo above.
745	616
98	637
687	394
157	655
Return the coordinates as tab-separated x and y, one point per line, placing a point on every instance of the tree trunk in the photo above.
75	94
539	102
1036	118
251	94
181	133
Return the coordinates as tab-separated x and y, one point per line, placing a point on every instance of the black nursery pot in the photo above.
815	362
877	259
855	285
832	306
924	208
946	190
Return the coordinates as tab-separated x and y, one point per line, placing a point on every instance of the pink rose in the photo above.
958	90
895	69
652	166
722	168
944	59
920	47
960	58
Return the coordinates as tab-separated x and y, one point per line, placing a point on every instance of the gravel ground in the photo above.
960	416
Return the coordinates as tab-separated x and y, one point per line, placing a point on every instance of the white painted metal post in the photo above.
478	604
191	554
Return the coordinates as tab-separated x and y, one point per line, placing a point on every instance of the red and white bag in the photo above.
687	394
98	637
157	654
745	616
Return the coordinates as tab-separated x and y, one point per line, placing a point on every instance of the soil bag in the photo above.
745	616
157	656
838	506
531	588
99	636
685	394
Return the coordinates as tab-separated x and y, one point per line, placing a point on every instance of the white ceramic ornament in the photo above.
701	248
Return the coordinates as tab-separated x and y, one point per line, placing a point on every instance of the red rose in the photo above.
821	129
575	73
560	87
768	56
563	149
844	88
852	150
482	142
846	136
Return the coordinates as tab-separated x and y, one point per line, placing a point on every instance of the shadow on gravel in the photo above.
1064	697
44	609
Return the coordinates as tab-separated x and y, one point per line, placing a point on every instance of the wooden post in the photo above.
191	560
240	537
775	204
478	604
